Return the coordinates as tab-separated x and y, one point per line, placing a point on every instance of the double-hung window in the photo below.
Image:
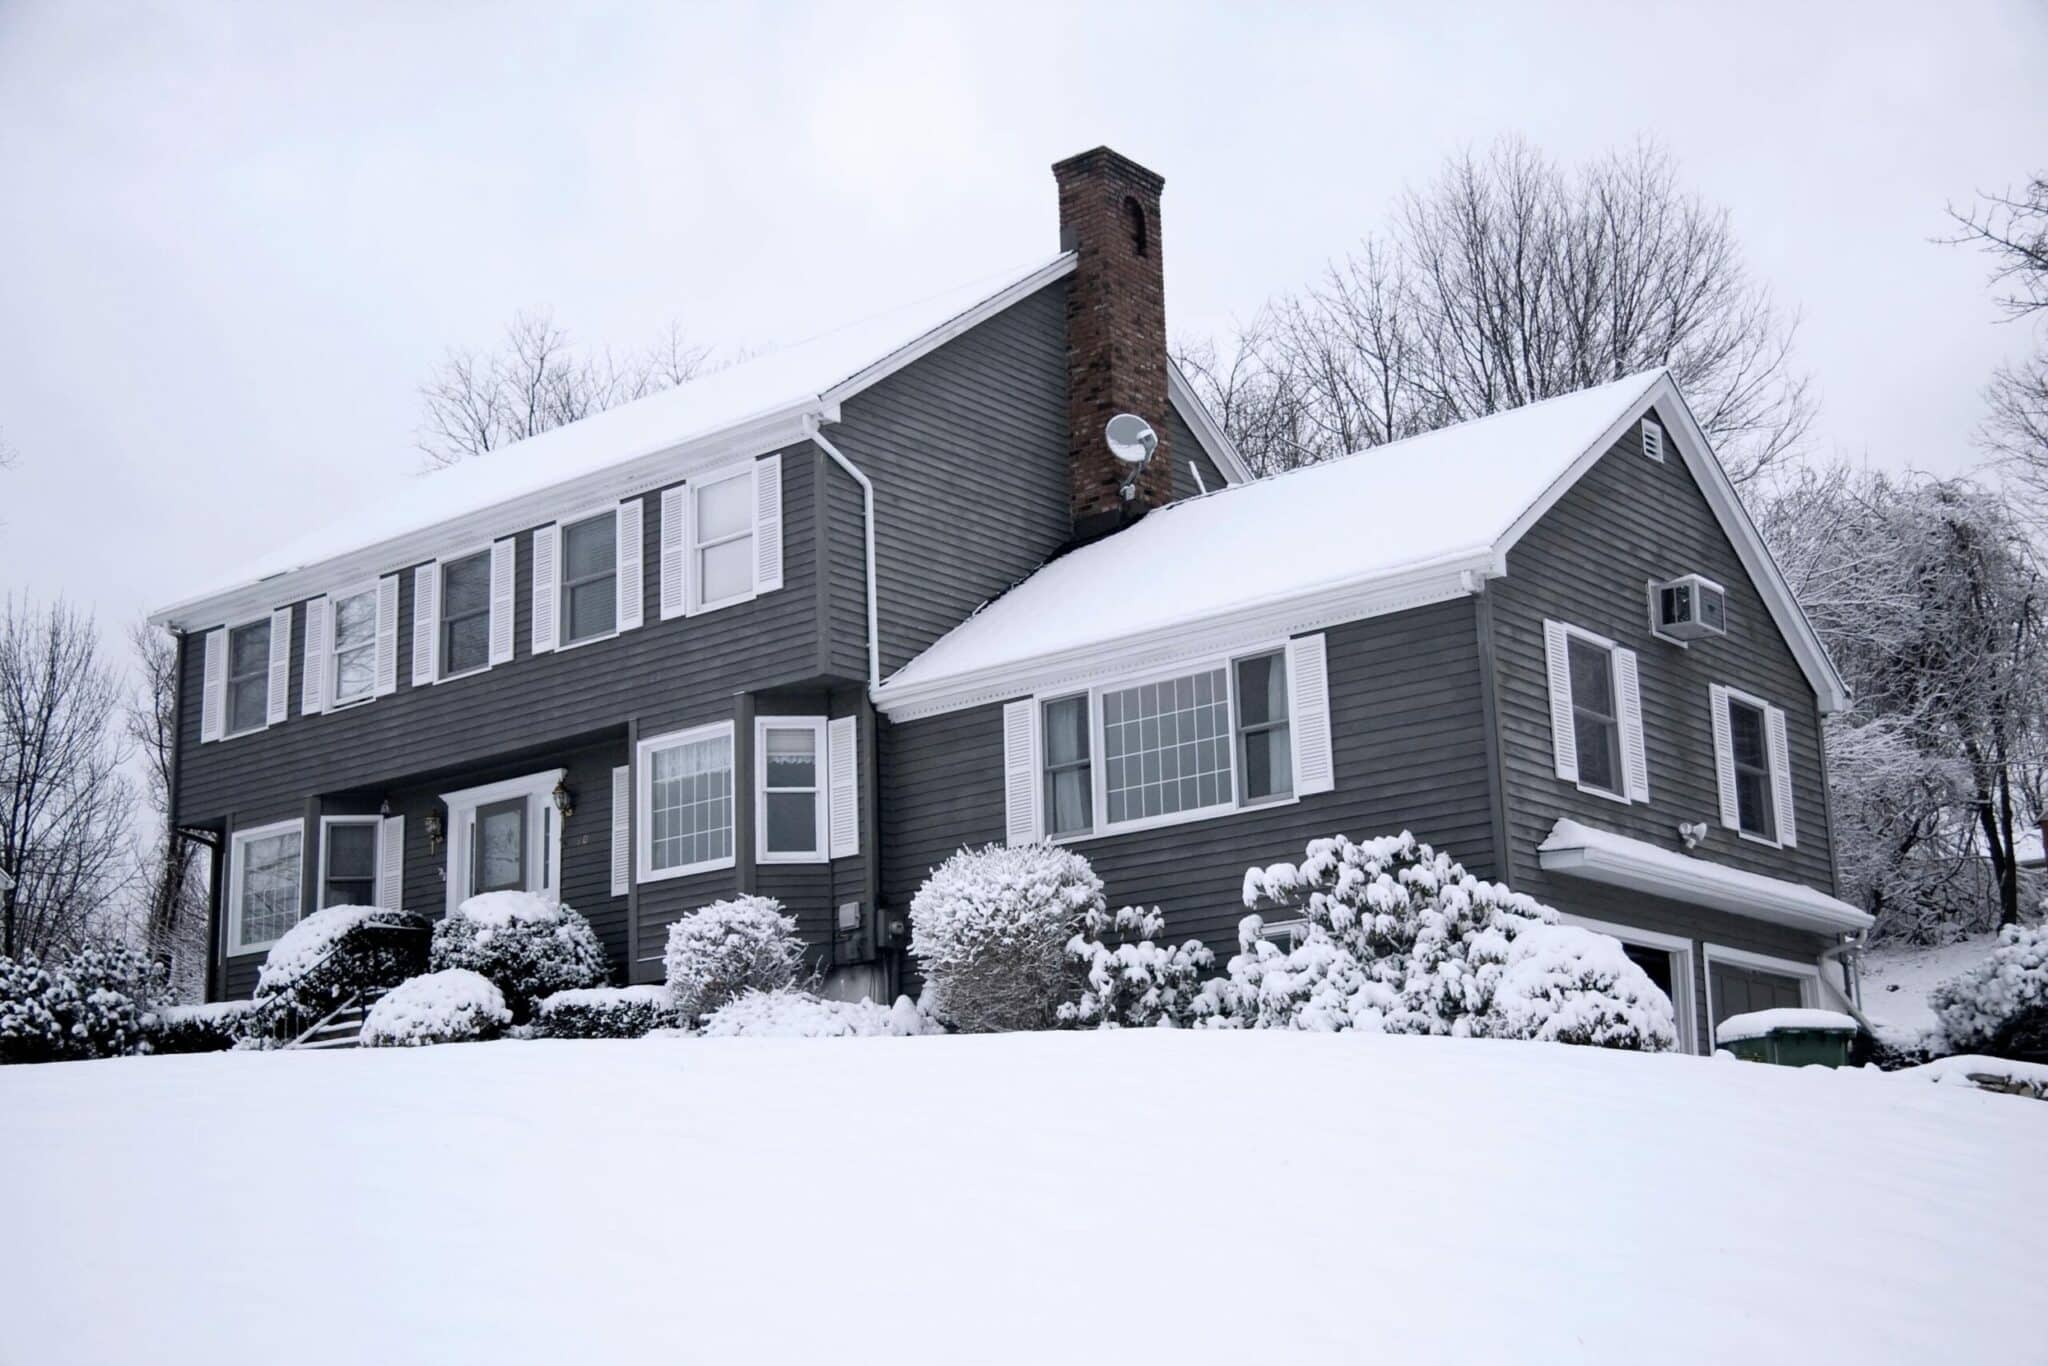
590	578
791	787
466	614
264	888
248	679
1753	766
1265	749
686	802
1596	714
722	539
354	675
348	861
1751	751
1596	720
1069	780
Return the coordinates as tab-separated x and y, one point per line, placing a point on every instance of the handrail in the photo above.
267	1004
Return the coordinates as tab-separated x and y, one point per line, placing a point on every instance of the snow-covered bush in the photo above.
2000	1007
990	929
793	1014
1564	984
605	1012
720	951
1134	981
196	1029
529	945
33	999
91	1005
341	952
453	1006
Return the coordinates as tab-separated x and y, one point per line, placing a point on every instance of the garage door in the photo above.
1739	990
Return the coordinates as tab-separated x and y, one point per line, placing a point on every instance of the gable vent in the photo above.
1653	441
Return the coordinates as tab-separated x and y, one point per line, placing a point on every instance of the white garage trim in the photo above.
1683	980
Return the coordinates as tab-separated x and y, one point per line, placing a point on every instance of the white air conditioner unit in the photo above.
1688	608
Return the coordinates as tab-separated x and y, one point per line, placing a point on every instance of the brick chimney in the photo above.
1116	332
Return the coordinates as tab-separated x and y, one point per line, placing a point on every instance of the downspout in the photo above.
867	519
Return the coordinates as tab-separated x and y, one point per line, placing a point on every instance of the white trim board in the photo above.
376	823
544	831
1811	981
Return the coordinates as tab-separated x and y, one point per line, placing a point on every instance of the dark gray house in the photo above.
806	626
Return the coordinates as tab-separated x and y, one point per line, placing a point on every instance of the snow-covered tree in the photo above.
728	948
1564	984
2000	1006
93	1003
529	946
1132	980
990	928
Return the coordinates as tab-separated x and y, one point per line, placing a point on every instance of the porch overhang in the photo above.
1584	851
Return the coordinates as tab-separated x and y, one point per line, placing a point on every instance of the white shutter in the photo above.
426	622
1781	776
387	635
1724	757
675	559
391	863
279	700
504	556
1308	716
1020	772
313	685
622	829
842	750
213	691
632	556
546	589
768	524
1629	698
1564	732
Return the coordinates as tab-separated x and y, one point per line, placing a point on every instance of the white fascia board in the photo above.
1196	414
1705	466
1577	850
1222	633
640	474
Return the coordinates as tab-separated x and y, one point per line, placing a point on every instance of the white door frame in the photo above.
1681	949
543	826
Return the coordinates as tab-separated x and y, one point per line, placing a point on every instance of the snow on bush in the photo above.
91	1005
451	1006
719	951
990	929
1398	938
1135	981
2000	1007
529	945
605	1012
341	952
196	1029
793	1014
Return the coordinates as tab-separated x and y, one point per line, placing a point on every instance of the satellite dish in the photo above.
1131	438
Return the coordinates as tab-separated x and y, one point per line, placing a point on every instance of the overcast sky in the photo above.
233	239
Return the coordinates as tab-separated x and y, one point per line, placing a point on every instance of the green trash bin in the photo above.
1789	1038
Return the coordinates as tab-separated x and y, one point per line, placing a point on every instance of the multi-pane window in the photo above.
466	614
688	799
266	886
1069	792
590	578
723	539
791	791
1265	753
1747	738
498	850
355	647
348	866
1594	717
249	677
1166	747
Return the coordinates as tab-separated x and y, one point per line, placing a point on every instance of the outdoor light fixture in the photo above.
563	801
384	808
433	823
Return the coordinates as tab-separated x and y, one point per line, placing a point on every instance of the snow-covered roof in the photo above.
1390	527
764	397
1586	851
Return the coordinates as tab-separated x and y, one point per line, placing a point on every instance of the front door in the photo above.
498	848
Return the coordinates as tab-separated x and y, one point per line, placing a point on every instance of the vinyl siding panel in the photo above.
1188	454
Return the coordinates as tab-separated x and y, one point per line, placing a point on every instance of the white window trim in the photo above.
227	675
694	575
1614	688
1682	1005
643	801
821	792
331	664
1809	975
441	674
1731	694
327	823
1098	774
562	525
236	844
1294	930
543	830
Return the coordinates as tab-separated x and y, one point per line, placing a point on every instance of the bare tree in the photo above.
1511	279
174	918
2013	229
535	381
63	803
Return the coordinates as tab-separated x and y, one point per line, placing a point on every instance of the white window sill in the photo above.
1603	793
466	673
1759	839
701	608
1207	813
568	645
351	704
238	734
763	856
647	875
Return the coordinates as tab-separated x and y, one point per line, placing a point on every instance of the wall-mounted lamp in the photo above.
564	801
384	808
433	824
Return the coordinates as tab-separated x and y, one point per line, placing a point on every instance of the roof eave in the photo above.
1698	882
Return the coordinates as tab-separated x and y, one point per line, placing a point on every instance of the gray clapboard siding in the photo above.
1183	447
1407	739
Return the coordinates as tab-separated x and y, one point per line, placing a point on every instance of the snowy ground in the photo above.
1896	980
1138	1197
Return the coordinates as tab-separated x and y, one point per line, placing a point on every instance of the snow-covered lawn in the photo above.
1133	1197
1896	979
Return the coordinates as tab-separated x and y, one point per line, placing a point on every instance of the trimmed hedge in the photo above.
606	1013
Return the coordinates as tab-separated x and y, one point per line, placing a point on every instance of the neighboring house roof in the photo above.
748	408
1395	526
6	882
1602	856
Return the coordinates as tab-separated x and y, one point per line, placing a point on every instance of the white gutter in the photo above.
867	518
